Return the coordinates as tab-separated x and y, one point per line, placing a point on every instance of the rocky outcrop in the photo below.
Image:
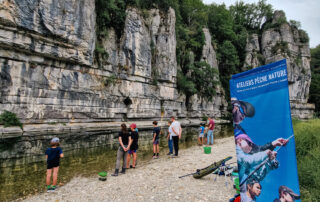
48	74
56	29
284	41
200	107
253	56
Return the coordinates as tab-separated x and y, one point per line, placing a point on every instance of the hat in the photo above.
244	136
133	125
289	191
248	109
55	140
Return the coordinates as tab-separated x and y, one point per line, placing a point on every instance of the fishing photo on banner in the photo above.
263	132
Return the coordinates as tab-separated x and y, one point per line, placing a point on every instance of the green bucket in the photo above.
103	176
207	150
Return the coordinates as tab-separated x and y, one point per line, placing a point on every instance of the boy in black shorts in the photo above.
53	155
155	139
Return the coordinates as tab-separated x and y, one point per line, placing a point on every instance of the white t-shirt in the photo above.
176	127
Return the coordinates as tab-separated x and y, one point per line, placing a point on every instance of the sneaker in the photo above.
169	154
154	157
49	188
53	188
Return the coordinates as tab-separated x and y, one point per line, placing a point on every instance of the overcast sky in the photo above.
305	11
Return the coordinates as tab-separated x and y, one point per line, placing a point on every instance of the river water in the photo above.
18	180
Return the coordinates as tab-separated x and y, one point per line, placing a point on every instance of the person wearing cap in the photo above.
134	146
257	148
247	162
53	155
253	190
237	113
286	195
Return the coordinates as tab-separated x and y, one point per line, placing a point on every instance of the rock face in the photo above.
202	107
252	53
283	41
48	74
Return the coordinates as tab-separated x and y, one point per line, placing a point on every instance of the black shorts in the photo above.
52	164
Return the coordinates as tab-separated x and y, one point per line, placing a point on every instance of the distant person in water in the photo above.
169	137
176	135
155	139
53	155
125	142
134	146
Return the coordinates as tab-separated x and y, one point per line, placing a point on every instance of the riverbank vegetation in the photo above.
307	139
315	79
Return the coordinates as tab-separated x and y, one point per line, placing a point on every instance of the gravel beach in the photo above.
156	180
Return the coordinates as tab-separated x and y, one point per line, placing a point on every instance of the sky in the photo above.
305	11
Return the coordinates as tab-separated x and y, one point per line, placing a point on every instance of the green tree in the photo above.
251	16
314	95
229	63
220	23
205	79
111	13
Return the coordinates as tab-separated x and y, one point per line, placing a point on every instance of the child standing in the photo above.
134	146
206	132
169	137
53	155
201	134
155	140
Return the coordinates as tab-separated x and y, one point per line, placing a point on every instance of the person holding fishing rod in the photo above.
249	156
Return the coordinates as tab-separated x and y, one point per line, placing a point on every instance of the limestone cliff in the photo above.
48	73
282	40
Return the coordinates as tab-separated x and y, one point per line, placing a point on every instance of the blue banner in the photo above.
264	135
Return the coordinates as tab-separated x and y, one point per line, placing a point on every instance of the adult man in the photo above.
210	130
176	134
286	195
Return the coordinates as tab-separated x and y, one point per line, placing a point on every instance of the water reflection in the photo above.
20	180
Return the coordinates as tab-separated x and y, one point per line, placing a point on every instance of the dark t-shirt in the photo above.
135	138
156	131
54	154
124	137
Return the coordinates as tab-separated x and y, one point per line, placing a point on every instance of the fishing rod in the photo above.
262	163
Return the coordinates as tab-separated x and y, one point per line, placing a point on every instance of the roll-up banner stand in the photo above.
263	133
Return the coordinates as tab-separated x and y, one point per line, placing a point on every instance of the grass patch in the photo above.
9	119
307	138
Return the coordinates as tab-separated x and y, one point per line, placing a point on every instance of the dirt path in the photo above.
155	181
